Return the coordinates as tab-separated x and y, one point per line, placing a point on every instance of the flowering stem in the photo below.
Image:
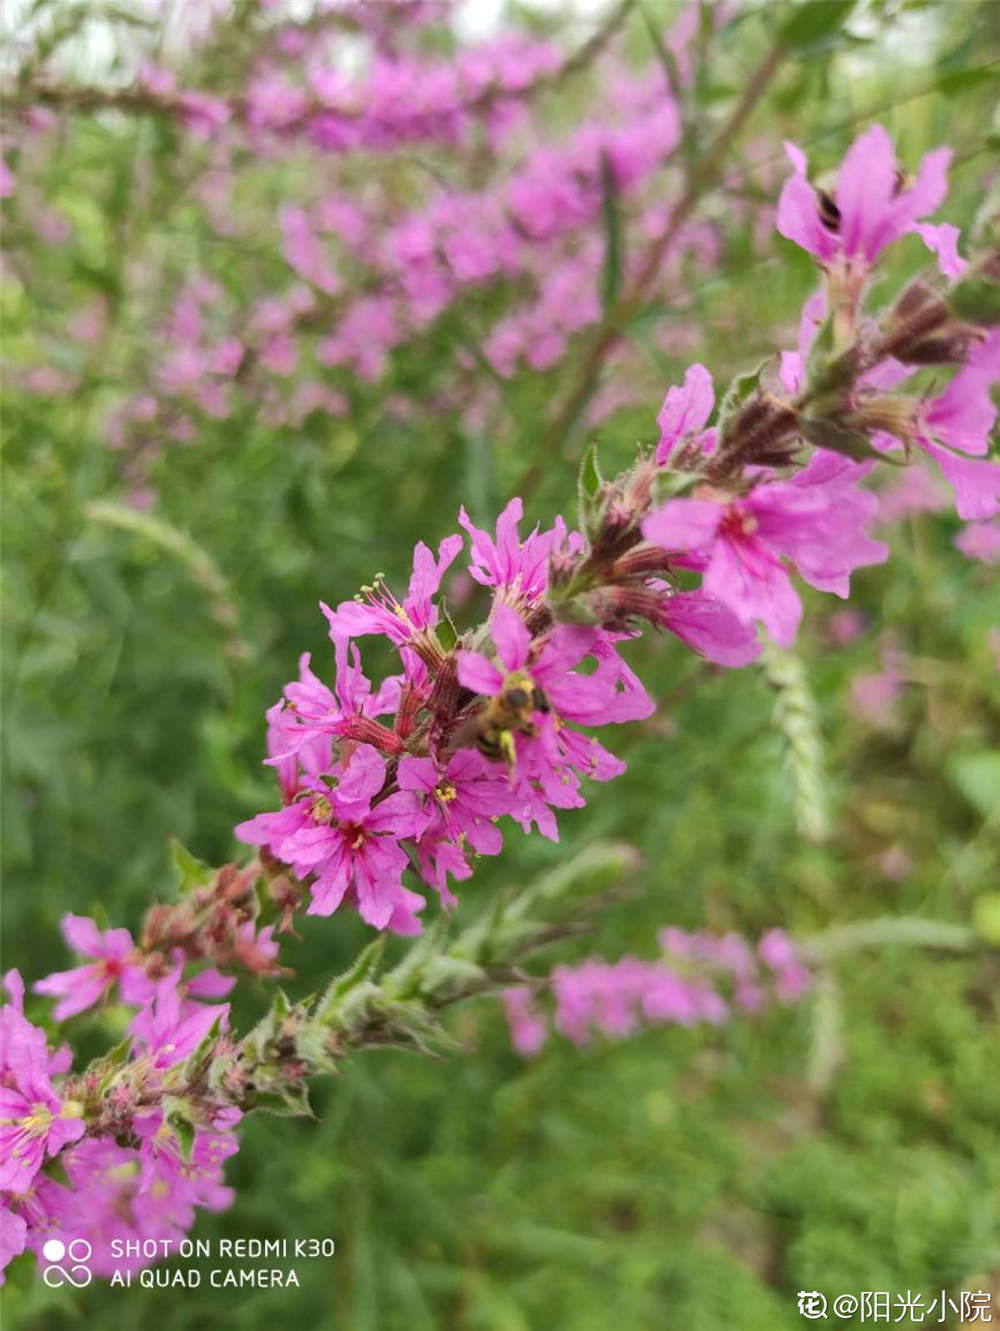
904	931
629	304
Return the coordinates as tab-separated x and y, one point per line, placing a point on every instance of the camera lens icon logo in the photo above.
77	1252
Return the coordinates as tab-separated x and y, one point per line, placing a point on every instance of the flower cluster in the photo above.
132	1161
493	722
683	989
354	276
391	785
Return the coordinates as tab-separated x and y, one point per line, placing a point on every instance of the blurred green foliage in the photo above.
681	1179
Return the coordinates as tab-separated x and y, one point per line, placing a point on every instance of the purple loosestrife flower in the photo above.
614	998
13	1235
528	1031
195	1178
612	693
687	988
301	726
708	626
816	520
120	1192
170	1027
871	206
34	1120
348	842
980	540
547	752
378	611
43	1211
516	570
684	413
117	961
778	952
461	803
957	423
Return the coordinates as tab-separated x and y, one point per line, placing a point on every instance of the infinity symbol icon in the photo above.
78	1251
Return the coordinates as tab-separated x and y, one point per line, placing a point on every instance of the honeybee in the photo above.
511	712
829	213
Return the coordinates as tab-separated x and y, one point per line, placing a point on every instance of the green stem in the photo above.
888	931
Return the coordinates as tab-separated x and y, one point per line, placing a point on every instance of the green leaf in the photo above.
821	351
291	1101
611	271
588	484
191	872
590	478
55	1169
177	1113
446	632
813	22
825	433
737	394
977	300
364	967
966	80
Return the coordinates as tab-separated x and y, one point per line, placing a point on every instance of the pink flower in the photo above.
380	612
548	754
517	570
194	1179
958	422
816	520
778	953
170	1027
872	207
684	413
118	961
13	1235
872	695
34	1120
347	841
304	252
577	698
709	627
528	1031
980	540
462	803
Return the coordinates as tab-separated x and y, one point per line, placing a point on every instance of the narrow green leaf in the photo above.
289	1102
611	272
363	968
824	433
588	484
